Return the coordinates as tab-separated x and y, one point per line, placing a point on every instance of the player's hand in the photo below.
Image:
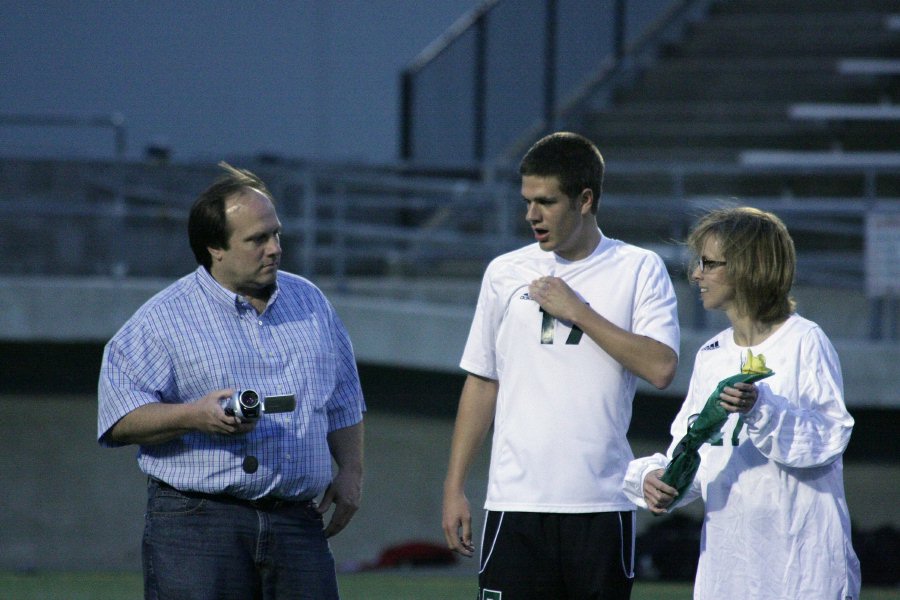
555	297
657	494
457	523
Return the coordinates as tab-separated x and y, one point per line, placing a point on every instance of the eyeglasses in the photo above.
707	265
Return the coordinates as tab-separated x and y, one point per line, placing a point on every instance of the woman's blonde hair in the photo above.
760	259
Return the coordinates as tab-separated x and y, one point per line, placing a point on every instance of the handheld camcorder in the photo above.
249	405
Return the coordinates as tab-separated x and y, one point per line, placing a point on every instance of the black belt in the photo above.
266	503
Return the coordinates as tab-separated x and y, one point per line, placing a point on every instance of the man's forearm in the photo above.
152	424
473	420
346	446
647	358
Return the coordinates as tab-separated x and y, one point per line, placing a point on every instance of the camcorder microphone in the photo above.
249	405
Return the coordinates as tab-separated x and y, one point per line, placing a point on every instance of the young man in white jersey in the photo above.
562	330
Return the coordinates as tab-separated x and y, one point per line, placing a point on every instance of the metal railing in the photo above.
508	71
114	121
340	224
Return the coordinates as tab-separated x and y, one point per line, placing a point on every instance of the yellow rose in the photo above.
755	364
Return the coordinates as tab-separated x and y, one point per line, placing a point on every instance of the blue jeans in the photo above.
197	547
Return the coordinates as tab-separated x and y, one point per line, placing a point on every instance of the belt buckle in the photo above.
267	503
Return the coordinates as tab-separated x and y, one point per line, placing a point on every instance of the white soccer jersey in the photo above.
776	525
564	405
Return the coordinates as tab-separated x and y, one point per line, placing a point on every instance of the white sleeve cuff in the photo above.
633	484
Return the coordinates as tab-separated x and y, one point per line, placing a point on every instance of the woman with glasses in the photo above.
776	523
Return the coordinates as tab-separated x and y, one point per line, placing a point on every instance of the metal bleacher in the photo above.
759	101
695	107
786	105
789	106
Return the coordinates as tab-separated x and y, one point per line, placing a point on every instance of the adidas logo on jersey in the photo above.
525	296
712	346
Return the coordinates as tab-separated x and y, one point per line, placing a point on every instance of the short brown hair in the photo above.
573	159
207	225
760	259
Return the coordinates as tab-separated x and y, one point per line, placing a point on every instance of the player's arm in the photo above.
473	420
647	358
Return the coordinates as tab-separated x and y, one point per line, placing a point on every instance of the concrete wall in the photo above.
392	325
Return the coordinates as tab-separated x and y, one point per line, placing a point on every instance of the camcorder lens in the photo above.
249	398
250	406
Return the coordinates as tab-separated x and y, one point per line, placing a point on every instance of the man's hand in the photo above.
555	297
160	422
457	523
345	492
210	417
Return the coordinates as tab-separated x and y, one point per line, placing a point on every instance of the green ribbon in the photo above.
685	462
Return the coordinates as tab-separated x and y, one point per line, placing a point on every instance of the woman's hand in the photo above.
658	495
741	398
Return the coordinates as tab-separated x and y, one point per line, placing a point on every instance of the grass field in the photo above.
399	585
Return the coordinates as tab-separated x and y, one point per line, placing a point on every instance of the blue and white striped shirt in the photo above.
195	337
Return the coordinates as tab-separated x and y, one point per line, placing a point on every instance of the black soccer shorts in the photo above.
557	556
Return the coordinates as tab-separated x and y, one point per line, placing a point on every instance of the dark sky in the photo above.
214	78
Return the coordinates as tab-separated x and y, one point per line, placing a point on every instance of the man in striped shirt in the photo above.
232	509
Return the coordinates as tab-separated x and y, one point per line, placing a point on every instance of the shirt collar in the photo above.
216	292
